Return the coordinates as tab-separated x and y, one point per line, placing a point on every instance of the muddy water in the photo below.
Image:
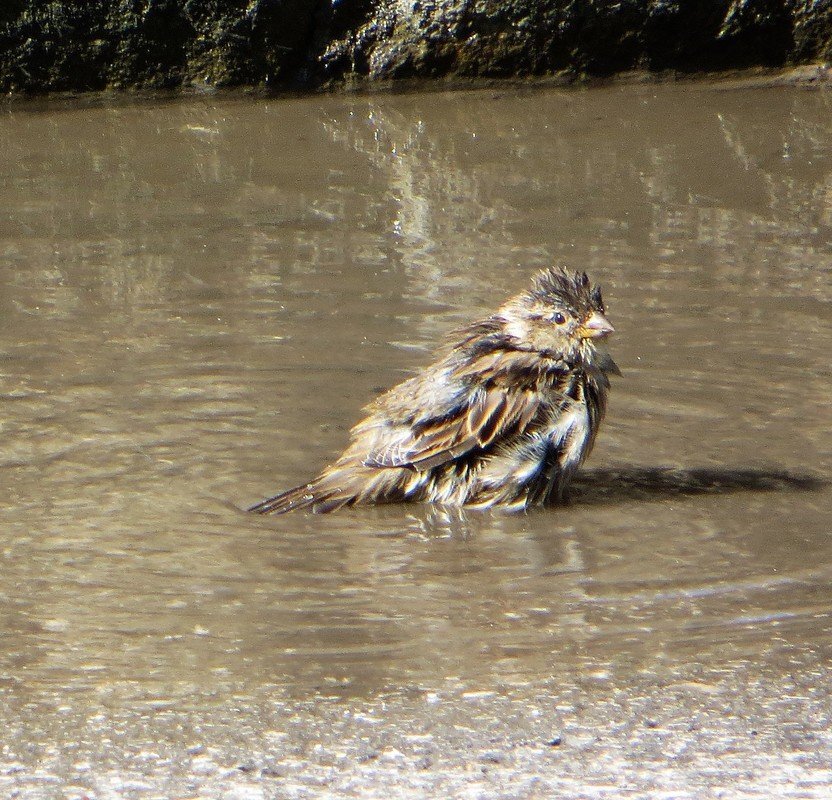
198	298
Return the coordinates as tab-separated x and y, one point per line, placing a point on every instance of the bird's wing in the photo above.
488	414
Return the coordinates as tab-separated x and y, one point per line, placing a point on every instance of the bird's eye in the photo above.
558	318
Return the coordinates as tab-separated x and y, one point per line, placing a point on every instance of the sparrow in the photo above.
502	418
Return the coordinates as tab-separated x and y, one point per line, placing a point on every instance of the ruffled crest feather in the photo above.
556	285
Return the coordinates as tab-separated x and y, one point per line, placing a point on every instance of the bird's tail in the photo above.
346	483
314	496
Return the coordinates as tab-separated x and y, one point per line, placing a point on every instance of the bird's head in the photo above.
561	315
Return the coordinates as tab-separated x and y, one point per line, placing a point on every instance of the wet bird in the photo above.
503	418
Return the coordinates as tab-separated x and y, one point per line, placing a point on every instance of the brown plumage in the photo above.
503	418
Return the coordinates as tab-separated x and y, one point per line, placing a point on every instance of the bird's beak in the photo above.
596	325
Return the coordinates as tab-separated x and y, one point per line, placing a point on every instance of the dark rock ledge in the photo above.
306	44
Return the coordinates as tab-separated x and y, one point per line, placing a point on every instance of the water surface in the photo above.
196	300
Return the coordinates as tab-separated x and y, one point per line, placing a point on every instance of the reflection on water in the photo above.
199	297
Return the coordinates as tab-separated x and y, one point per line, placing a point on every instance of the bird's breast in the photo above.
568	434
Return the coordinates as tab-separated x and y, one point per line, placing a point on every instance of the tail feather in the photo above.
298	497
314	496
339	486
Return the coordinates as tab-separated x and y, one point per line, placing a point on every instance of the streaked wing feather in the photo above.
494	414
393	453
484	416
528	403
417	445
442	456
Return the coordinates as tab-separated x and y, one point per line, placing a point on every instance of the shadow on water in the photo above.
613	485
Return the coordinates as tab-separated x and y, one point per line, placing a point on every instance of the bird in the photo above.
503	417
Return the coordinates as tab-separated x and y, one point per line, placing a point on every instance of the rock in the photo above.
121	44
